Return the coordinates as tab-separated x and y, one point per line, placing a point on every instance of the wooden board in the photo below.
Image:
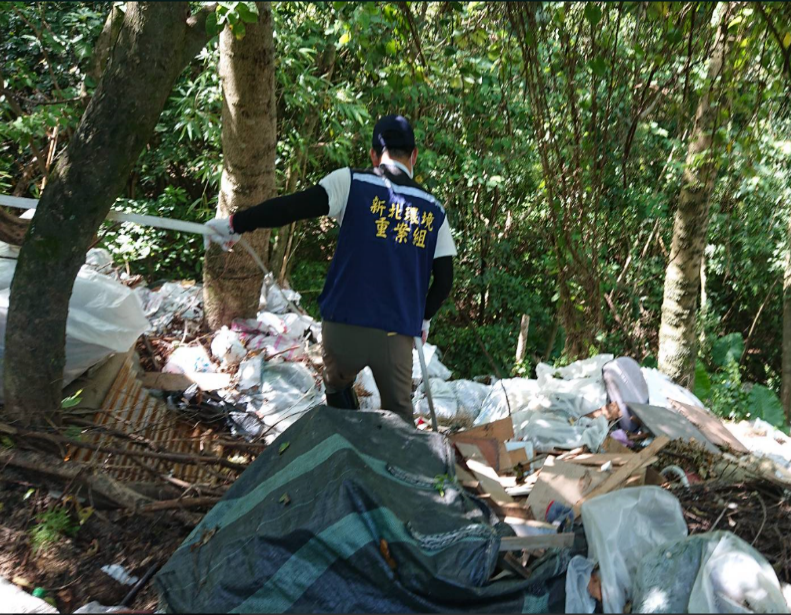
622	474
711	426
564	482
181	382
489	481
663	422
493	452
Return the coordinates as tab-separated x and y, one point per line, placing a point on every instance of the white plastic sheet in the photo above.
274	298
104	317
763	439
548	430
171	300
519	392
661	389
621	528
288	390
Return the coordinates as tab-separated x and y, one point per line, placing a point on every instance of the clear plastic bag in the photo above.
104	317
715	572
549	430
578	576
621	528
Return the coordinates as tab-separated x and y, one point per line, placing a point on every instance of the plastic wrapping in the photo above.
585	368
621	528
716	572
661	389
625	383
186	359
104	317
227	347
367	392
519	392
288	390
435	367
578	575
171	300
551	430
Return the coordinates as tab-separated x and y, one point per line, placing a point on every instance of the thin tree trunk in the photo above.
232	280
156	42
677	341
786	369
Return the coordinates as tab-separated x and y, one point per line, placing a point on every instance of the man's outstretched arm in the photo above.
282	210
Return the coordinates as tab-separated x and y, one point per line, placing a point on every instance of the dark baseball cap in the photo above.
393	132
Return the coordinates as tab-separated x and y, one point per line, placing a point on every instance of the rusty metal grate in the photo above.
130	408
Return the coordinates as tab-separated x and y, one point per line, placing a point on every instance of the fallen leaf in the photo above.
205	537
384	549
285	500
283	448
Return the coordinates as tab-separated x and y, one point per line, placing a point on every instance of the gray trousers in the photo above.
347	349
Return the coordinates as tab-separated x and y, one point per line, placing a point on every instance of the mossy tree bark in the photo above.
155	43
232	280
677	340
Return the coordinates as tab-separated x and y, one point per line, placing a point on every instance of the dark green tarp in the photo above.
375	522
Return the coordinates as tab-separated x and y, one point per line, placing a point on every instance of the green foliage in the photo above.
559	195
72	400
51	526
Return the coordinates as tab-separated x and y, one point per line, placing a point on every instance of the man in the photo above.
376	298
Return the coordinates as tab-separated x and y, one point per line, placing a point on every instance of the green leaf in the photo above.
248	12
592	13
787	40
345	38
598	66
765	404
212	27
702	388
283	448
284	499
674	36
727	347
72	401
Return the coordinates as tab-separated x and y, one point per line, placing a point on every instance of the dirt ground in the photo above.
69	569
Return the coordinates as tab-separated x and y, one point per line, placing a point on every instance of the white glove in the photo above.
220	232
424	330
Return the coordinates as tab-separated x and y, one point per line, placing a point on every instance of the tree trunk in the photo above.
786	369
677	341
156	42
232	280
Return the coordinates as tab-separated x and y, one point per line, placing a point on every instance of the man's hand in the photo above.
424	330
220	232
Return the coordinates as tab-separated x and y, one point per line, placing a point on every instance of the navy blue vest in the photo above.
379	275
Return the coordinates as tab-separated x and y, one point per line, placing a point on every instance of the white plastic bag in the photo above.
470	396
104	317
368	393
549	430
586	368
288	390
434	366
578	576
250	373
227	347
715	572
186	359
496	406
621	528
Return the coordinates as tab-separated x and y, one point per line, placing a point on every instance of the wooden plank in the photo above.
711	426
663	422
488	479
534	543
611	445
493	452
620	476
180	382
